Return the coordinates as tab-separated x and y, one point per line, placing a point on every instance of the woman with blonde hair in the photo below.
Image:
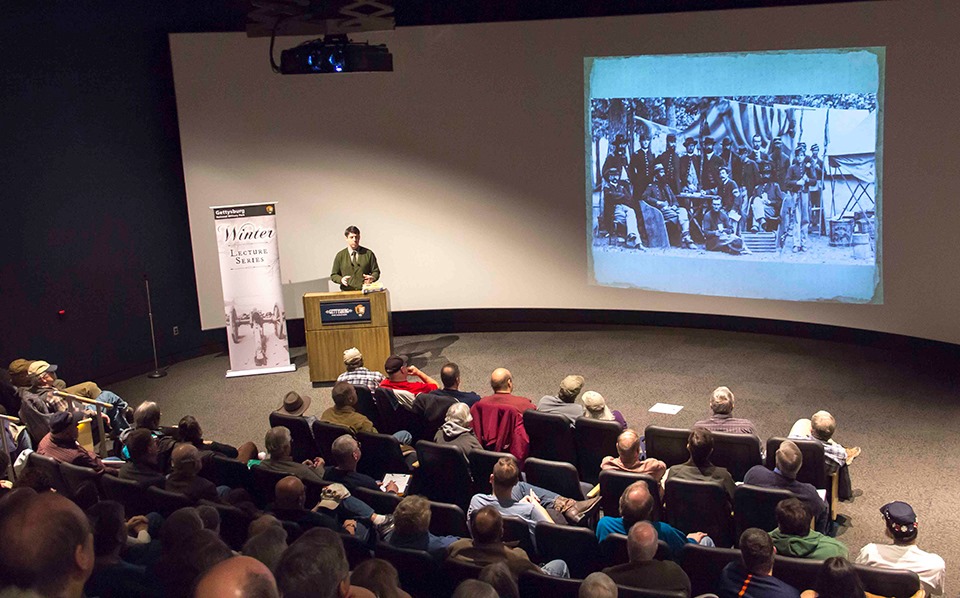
595	407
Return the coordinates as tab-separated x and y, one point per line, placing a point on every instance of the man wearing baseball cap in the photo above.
356	374
61	442
902	525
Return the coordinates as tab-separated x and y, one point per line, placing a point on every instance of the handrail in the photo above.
100	407
11	419
74	397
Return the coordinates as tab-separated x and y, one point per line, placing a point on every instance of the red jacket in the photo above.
499	427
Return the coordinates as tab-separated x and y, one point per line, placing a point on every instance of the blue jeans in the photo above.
118	419
403	437
546	497
556	568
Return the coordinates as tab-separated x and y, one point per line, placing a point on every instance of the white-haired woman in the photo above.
595	407
456	429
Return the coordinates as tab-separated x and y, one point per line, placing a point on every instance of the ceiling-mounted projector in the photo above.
335	54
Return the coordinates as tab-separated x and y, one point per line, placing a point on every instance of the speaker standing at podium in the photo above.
354	265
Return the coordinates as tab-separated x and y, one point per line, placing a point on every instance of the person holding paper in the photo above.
354	265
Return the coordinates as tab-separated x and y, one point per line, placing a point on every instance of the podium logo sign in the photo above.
345	312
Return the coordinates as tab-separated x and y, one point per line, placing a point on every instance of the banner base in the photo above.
282	368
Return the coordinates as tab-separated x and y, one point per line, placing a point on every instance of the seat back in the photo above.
595	439
381	502
800	573
387	410
576	546
264	484
628	592
736	452
888	582
419	572
813	471
448	520
430	421
381	455
562	478
443	474
517	530
229	472
324	434
130	494
165	502
366	406
551	436
481	466
699	506
754	506
667	444
81	483
51	468
534	583
313	489
233	523
703	565
612	485
357	550
302	445
456	571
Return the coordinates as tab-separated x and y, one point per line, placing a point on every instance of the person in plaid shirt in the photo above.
356	374
722	420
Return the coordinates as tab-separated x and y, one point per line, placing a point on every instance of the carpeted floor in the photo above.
902	413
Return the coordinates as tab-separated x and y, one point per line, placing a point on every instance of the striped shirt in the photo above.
362	377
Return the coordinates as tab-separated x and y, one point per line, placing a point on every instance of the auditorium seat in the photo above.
614	482
381	455
551	436
813	471
888	582
754	506
224	471
324	434
595	440
366	405
799	573
735	452
628	592
517	530
562	478
313	489
699	506
82	484
264	484
130	494
703	565
165	502
233	523
481	467
448	520
381	502
576	546
302	446
419	572
443	474
393	417
667	444
51	468
536	585
356	549
456	571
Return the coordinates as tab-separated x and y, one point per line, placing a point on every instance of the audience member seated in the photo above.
499	576
501	381
820	427
184	479
47	545
450	376
722	420
314	566
277	442
357	374
474	588
837	578
643	571
210	517
237	577
598	585
344	414
793	536
397	373
456	430
112	576
595	407
628	449
487	547
346	454
198	552
411	528
267	546
378	576
901	527
753	576
142	466
789	461
288	505
699	467
190	431
532	504
565	402
636	504
295	405
147	417
61	443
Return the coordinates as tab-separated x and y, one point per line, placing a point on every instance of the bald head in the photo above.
47	544
185	458
628	446
487	525
789	459
237	577
636	503
289	493
501	380
641	542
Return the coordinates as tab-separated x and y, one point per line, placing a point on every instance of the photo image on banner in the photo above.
753	175
254	314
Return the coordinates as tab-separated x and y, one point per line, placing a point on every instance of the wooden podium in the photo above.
334	322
